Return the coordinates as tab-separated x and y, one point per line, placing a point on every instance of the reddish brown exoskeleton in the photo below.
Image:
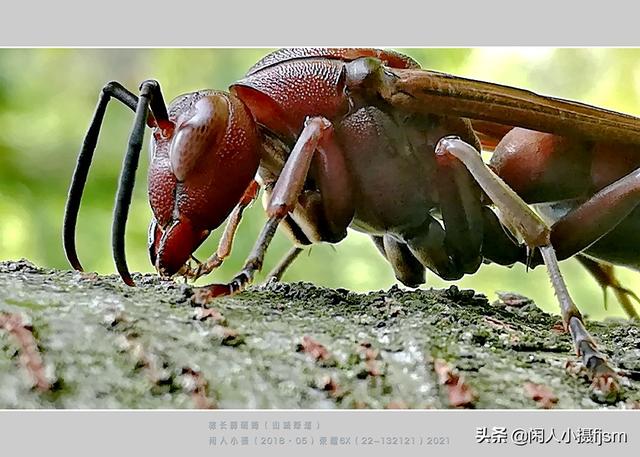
366	139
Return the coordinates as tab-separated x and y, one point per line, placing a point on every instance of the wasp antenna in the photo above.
150	97
79	179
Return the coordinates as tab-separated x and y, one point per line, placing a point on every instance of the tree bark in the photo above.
75	340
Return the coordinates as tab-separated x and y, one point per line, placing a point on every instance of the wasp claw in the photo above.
605	388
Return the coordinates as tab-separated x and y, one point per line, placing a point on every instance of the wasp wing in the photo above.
495	106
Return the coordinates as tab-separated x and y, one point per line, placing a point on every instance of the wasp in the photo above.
366	139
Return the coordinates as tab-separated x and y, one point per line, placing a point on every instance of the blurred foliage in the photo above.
47	97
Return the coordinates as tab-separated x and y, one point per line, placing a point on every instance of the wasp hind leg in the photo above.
520	218
605	276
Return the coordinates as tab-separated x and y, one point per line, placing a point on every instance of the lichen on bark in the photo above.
103	344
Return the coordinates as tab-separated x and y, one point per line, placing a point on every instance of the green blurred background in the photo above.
47	97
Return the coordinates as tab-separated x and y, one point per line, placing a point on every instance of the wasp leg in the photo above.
555	173
407	269
315	140
226	241
293	231
427	244
307	224
279	270
455	249
462	214
596	217
498	245
300	240
520	218
604	275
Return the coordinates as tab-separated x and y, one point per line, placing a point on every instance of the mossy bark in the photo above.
72	340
